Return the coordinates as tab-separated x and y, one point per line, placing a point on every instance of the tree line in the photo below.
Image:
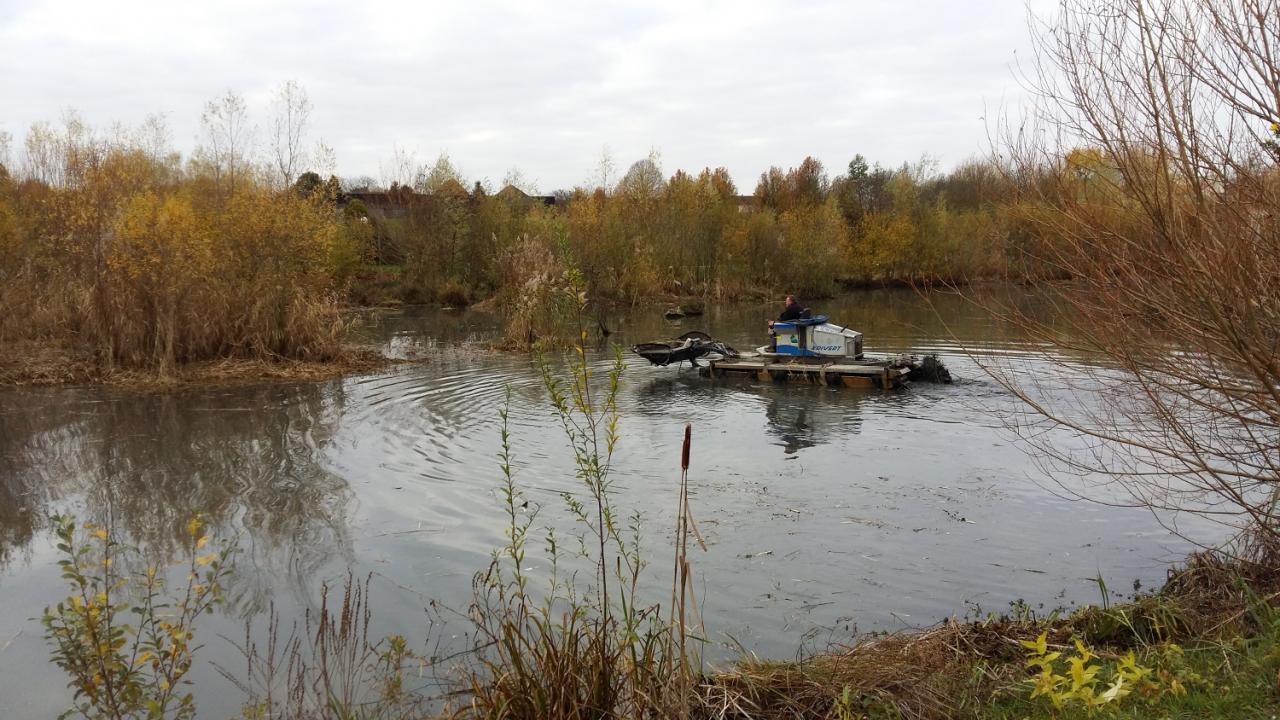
116	250
116	244
651	235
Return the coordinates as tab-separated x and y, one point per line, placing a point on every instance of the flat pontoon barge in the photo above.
883	374
808	349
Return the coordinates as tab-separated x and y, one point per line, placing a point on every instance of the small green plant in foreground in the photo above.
1228	679
120	669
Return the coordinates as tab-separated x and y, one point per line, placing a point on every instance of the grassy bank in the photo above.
1207	644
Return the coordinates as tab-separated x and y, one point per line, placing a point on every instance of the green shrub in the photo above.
119	669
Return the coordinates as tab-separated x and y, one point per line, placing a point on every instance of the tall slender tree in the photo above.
292	115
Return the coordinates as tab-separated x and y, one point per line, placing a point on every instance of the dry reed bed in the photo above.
57	362
921	675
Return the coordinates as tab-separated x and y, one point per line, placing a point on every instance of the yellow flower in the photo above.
204	540
205	559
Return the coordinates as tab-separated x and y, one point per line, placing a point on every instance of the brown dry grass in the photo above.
1218	591
46	362
929	674
956	669
60	362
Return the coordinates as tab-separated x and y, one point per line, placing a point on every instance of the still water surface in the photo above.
826	510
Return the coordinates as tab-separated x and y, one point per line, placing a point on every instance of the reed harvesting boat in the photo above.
805	349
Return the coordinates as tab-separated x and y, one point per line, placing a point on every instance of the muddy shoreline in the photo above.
55	364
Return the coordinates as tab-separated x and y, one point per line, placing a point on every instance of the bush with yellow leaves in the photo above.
1082	678
120	669
138	264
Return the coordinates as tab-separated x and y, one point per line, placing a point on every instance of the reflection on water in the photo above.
824	508
798	416
244	458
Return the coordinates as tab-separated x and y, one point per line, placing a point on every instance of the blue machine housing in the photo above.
795	326
797	351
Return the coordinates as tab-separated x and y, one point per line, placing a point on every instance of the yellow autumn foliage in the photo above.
142	267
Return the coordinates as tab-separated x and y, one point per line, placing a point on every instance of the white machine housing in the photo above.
833	340
815	338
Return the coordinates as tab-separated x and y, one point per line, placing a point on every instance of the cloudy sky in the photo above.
542	87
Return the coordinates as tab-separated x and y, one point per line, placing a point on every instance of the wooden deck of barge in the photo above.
850	373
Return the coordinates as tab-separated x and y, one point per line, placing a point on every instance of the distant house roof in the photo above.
511	192
381	203
452	188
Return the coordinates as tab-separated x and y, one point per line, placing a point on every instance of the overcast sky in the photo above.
541	87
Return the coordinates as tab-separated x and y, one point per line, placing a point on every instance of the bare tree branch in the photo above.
1152	183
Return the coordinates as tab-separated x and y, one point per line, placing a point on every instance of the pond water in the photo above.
826	511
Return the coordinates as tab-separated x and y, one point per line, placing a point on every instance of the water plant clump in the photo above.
564	651
329	666
543	297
